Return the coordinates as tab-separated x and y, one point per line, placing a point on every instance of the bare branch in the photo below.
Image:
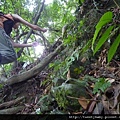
30	32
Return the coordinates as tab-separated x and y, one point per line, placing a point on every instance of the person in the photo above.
7	45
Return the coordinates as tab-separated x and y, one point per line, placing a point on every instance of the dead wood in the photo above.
35	70
12	110
12	102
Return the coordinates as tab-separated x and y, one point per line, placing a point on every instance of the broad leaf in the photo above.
106	18
113	48
104	37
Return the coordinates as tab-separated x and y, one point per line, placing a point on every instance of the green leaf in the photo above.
101	85
113	48
86	47
82	1
103	39
1	86
106	18
51	65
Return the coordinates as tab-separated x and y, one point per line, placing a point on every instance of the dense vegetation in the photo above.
79	69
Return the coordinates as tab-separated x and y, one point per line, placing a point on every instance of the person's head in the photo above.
16	25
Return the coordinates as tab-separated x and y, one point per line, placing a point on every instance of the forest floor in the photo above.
23	98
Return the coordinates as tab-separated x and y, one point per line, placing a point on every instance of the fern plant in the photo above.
101	85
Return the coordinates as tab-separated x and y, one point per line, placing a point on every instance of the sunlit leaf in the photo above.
51	65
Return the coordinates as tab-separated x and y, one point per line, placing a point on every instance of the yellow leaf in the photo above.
68	75
83	60
111	69
83	102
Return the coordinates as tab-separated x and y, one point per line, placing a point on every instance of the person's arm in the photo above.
21	20
18	45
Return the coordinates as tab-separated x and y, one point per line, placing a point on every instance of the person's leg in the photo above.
7	52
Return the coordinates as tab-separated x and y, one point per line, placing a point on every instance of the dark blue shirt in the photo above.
8	24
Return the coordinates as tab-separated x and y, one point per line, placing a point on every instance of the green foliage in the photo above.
69	60
104	37
54	17
61	66
109	34
113	48
44	104
82	1
15	6
1	86
73	88
7	68
106	18
101	85
62	90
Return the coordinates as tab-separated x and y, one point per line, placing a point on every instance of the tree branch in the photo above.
36	69
45	41
30	32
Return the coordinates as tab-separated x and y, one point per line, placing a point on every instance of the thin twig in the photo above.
116	4
95	5
82	99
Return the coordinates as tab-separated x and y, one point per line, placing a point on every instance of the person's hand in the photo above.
35	27
34	44
44	30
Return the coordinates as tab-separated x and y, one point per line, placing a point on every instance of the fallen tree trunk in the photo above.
10	103
35	70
